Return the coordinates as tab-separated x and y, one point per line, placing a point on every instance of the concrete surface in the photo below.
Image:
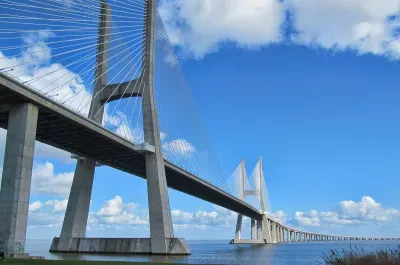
17	175
175	246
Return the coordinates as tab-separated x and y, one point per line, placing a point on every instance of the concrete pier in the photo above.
253	229
16	181
119	246
76	215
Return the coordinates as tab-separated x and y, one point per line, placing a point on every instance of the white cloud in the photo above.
279	216
308	219
334	218
115	211
200	27
46	181
201	219
111	207
35	206
367	209
178	147
119	123
365	26
53	79
57	205
365	212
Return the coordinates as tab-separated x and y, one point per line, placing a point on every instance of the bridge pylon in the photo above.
162	240
260	229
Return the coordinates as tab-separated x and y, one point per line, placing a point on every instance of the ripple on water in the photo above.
220	252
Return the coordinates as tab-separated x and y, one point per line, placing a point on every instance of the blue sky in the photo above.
315	97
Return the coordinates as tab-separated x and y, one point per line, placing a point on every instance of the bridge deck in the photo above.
63	128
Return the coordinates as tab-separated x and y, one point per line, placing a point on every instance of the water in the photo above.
220	252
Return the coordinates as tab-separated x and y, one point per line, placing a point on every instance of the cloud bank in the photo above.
363	26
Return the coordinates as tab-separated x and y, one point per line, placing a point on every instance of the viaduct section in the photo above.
28	116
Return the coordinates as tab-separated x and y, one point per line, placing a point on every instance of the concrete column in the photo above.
17	175
277	233
253	229
238	227
260	229
77	212
280	234
159	207
273	232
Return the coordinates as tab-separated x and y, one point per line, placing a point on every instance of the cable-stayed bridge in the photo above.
100	79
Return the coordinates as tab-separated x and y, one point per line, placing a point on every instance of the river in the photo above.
220	252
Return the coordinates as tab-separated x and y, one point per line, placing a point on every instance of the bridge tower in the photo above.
162	240
260	229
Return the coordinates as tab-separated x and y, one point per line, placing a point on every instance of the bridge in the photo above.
111	54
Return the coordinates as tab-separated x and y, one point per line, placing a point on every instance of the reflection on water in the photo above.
220	252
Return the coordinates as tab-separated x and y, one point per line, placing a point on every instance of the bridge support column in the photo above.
279	229
76	215
16	181
238	228
260	229
161	230
273	232
253	229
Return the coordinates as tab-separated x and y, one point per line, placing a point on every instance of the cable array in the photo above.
53	47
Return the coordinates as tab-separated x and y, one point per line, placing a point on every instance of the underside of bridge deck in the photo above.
60	127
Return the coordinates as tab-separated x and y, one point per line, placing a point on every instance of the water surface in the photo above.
220	252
